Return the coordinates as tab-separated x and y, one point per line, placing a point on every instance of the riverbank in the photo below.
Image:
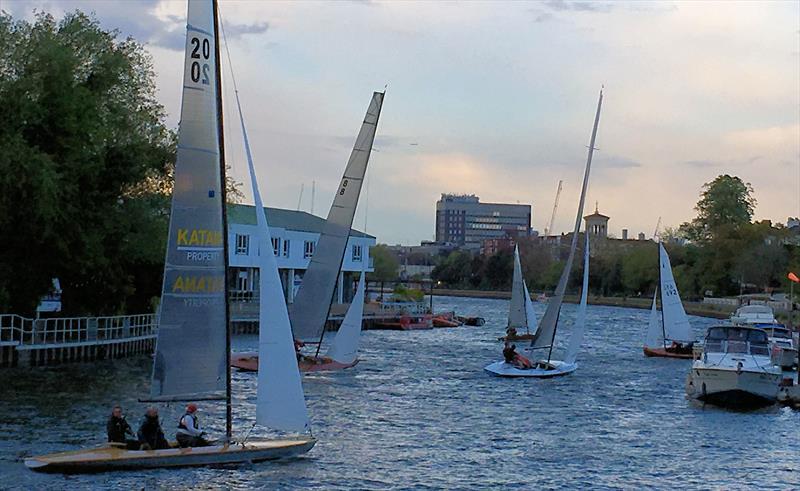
692	308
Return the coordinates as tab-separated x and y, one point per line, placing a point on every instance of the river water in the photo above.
419	412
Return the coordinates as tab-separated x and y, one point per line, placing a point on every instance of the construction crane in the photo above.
658	226
549	226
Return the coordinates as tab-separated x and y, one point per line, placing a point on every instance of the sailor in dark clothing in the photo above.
510	353
151	436
118	429
189	433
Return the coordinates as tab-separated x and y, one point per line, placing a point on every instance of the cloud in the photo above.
567	6
701	163
615	162
233	31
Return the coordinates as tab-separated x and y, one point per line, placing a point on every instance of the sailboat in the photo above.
673	327
521	316
310	310
546	334
193	347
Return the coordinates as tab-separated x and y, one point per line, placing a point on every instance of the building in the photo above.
597	224
465	221
493	246
294	237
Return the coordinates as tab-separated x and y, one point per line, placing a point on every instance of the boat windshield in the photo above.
731	339
780	333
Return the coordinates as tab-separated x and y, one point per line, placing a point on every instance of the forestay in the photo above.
344	347
547	328
309	312
280	403
676	323
580	319
190	359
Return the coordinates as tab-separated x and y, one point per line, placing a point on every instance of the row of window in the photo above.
243	247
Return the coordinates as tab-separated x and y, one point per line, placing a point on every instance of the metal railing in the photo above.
65	330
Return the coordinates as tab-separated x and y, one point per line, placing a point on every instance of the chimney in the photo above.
624	234
641	235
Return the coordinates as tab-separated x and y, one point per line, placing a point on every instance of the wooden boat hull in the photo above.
248	362
664	353
110	458
442	322
519	337
555	369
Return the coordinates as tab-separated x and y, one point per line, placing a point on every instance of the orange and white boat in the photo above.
248	362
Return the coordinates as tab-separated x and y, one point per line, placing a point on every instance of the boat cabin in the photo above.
737	339
754	315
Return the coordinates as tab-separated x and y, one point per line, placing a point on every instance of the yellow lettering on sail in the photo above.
182	236
194	240
178	285
198	284
199	237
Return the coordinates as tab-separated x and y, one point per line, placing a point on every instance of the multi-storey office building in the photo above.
464	220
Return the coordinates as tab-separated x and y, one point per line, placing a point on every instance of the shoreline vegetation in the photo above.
692	308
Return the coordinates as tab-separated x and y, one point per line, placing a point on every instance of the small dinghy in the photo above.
116	458
192	359
669	336
521	316
545	335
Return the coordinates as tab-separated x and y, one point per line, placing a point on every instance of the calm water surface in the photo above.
418	412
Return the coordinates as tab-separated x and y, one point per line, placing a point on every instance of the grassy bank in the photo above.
692	308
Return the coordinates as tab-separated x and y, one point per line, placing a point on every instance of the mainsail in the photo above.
520	312
655	334
547	328
191	358
676	324
280	403
344	347
309	312
580	319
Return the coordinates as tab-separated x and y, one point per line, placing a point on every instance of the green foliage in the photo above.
82	129
726	202
384	263
402	293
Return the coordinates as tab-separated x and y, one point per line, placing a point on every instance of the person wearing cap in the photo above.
189	433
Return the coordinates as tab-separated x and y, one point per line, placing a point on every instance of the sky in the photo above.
497	99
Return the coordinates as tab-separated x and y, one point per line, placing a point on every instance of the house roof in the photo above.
596	215
300	221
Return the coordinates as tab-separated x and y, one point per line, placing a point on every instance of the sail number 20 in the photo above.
204	54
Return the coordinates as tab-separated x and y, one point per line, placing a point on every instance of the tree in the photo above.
726	201
82	129
384	262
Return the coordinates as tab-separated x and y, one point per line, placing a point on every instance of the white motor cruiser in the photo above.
783	348
735	369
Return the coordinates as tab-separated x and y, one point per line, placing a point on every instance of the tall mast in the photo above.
565	277
224	200
663	326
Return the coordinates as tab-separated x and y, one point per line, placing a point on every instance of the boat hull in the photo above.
248	362
519	337
555	369
110	458
727	387
664	353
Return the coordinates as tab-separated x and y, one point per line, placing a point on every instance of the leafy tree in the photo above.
499	270
384	262
82	129
726	202
640	270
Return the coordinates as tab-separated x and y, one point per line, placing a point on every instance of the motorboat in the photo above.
735	369
783	346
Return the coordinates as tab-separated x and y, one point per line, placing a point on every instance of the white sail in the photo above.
280	403
530	315
547	328
655	335
190	357
344	347
517	314
580	319
676	323
309	312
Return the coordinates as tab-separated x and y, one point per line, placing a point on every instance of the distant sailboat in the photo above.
546	334
672	336
521	316
192	352
309	312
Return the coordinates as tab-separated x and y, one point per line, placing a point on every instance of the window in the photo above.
276	245
242	244
357	253
242	284
285	247
308	249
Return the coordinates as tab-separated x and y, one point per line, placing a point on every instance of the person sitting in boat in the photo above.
151	436
511	356
189	433
509	353
511	332
118	429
